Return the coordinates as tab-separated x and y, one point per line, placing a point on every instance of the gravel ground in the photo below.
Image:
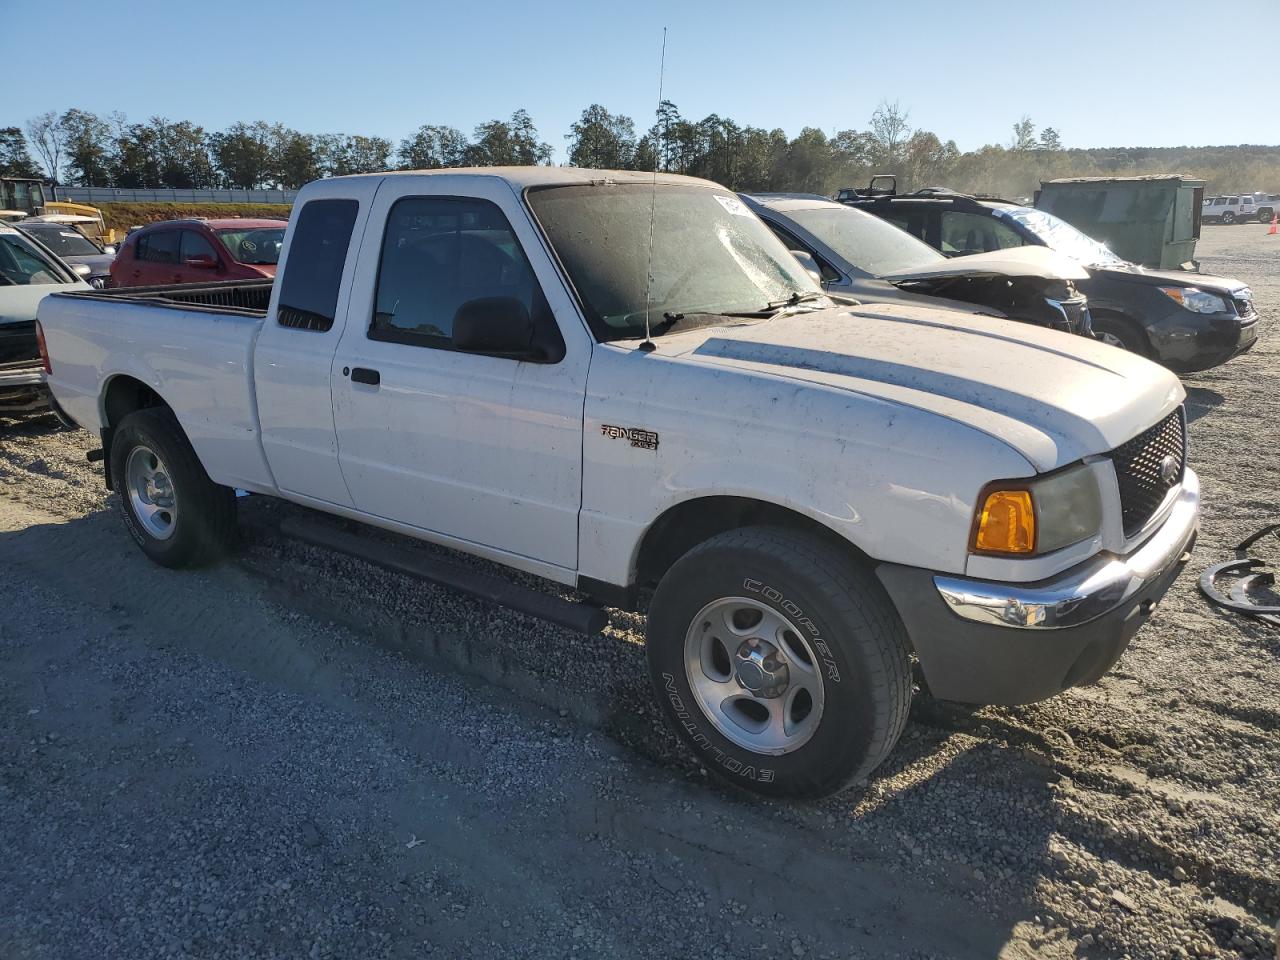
296	754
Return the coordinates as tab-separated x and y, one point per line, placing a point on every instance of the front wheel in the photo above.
1119	333
175	513
780	661
1228	218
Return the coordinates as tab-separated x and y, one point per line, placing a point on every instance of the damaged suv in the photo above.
862	257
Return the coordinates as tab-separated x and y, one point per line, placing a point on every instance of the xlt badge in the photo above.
645	439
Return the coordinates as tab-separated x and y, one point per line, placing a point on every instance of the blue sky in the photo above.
1103	72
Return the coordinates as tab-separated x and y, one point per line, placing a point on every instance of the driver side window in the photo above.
438	254
968	233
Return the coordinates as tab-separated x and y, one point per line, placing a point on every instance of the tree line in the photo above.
81	148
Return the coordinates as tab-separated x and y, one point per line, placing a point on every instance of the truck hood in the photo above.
18	302
1039	262
1053	397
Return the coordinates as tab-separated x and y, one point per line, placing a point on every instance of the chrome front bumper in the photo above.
1083	593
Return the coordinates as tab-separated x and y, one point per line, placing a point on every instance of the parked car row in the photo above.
625	383
1247	207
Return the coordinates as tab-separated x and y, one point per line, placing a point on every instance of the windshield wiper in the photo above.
791	301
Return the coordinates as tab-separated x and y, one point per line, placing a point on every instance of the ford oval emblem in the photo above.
1169	469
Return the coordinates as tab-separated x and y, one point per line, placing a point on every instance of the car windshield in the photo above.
64	241
868	243
22	263
1061	236
258	245
710	254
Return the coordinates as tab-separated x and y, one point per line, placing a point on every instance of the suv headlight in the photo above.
1030	517
1196	300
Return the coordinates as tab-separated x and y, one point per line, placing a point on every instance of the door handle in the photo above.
365	375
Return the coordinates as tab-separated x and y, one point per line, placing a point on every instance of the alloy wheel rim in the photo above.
151	492
1112	339
754	675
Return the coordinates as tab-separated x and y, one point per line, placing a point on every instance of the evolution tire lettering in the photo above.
644	439
798	617
700	740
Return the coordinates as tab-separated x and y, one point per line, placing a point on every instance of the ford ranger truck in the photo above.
624	383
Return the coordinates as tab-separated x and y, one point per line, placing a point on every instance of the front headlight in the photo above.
1196	300
1030	517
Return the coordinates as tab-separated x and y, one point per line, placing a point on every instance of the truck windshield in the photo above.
257	246
868	243
23	264
710	254
1061	236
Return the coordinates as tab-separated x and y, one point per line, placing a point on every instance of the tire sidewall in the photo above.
848	727
134	432
1128	337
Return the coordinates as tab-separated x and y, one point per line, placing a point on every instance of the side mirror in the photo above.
110	248
202	261
810	265
499	326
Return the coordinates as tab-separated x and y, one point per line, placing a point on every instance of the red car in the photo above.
199	251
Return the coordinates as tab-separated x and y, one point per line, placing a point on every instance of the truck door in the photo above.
471	446
294	355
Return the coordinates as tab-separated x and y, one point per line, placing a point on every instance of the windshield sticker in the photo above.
4	230
733	205
67	233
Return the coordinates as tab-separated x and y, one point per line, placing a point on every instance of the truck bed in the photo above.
245	297
191	343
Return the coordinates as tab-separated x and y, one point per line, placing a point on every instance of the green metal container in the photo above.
1153	220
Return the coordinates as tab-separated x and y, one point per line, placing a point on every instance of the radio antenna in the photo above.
648	346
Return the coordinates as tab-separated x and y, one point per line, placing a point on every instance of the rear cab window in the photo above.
317	256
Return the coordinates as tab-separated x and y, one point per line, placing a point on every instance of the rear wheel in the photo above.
1264	216
779	661
175	513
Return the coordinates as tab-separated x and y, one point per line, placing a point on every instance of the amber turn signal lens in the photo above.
1007	523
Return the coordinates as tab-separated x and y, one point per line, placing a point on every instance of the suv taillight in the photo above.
44	349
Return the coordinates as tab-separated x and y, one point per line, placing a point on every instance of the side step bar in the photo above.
579	617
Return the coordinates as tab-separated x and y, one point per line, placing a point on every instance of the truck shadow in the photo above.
966	807
1201	401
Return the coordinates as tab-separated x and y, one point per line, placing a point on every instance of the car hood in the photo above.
1133	273
1053	397
99	263
18	303
1039	262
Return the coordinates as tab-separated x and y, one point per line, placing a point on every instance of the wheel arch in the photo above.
123	394
684	525
1128	320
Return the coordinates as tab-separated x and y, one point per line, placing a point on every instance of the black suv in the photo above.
1186	321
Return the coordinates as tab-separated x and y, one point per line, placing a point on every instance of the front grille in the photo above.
1076	314
1139	467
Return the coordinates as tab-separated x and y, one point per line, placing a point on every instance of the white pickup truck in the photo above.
815	493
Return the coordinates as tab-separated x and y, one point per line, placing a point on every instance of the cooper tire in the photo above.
847	622
179	517
1119	332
